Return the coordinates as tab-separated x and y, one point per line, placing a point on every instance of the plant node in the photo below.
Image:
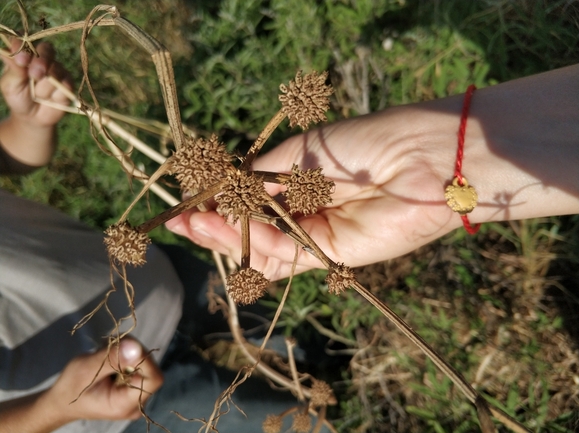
272	424
242	193
302	422
339	278
322	394
200	163
125	245
306	99
307	190
246	286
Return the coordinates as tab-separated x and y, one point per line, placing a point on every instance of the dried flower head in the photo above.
340	278
200	163
246	286
272	424
243	193
307	190
306	99
322	393
302	422
125	245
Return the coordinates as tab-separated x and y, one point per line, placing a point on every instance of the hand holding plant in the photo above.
390	169
28	134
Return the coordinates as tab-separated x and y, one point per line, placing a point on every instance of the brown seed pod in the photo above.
243	193
272	424
200	163
306	99
302	423
307	190
125	245
322	393
340	278
246	286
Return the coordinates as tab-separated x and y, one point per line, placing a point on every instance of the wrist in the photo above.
520	151
55	409
34	414
27	142
520	148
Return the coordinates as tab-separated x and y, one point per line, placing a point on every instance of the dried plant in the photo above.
205	170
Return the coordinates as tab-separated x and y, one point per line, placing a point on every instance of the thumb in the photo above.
17	64
127	354
14	80
130	353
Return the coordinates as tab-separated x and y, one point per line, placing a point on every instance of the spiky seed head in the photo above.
322	393
302	423
125	245
246	286
307	190
272	424
200	163
340	278
243	193
306	99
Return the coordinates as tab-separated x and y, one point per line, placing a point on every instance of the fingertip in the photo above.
22	59
130	350
176	225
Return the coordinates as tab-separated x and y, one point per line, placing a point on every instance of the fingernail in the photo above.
131	350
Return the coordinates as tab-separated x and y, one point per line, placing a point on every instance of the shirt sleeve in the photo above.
9	165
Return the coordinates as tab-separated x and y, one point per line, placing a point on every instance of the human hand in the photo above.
389	196
391	169
105	397
15	84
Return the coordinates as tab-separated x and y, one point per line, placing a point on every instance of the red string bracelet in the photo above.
461	197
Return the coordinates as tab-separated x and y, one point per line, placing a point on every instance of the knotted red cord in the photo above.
460	152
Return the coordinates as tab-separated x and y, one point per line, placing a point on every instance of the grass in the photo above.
500	306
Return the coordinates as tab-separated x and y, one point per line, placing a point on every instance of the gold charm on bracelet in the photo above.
461	198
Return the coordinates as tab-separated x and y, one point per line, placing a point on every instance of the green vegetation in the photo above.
500	306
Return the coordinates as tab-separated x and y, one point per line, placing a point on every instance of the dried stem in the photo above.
457	378
133	141
190	203
261	139
245	242
290	344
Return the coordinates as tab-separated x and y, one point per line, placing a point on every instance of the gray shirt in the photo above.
53	271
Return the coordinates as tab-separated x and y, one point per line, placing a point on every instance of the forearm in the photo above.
391	168
31	414
27	143
521	150
528	158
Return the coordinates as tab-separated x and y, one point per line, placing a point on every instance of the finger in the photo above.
39	66
200	229
108	361
141	377
15	76
22	59
132	378
272	251
133	355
